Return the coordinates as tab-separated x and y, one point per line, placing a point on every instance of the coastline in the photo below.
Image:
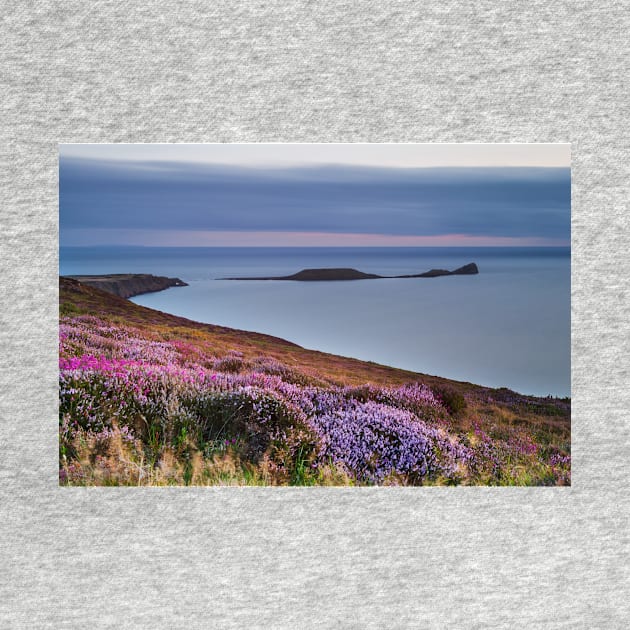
128	285
277	338
100	301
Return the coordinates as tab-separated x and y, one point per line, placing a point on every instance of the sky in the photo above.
314	194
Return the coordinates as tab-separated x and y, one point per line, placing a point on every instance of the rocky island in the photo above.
128	285
315	275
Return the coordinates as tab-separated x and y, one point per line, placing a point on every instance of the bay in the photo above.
508	326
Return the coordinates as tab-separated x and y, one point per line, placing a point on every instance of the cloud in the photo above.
150	195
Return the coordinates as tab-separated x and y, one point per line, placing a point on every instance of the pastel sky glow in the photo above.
202	238
315	195
359	154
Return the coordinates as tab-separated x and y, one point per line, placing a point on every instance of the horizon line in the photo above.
496	246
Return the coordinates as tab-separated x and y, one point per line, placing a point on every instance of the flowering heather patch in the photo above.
88	333
152	405
376	441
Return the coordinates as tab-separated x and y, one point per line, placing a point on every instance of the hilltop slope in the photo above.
150	398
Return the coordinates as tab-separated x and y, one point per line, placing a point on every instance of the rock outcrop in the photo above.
127	285
469	269
309	275
314	275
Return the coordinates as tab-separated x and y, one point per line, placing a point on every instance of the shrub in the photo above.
229	363
453	401
375	442
267	426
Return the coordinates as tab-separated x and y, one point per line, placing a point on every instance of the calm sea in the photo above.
509	326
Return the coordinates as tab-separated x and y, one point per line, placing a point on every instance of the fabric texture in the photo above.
314	72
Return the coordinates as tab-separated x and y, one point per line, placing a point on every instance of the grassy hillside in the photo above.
151	398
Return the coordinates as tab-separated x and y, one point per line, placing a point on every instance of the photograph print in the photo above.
314	314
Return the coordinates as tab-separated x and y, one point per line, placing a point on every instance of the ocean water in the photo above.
509	326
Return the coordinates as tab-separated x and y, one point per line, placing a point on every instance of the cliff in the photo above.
127	285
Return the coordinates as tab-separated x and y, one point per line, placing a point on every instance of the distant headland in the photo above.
127	285
320	275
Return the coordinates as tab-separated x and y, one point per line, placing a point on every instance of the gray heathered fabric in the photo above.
329	71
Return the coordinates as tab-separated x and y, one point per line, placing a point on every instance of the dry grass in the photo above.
114	461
